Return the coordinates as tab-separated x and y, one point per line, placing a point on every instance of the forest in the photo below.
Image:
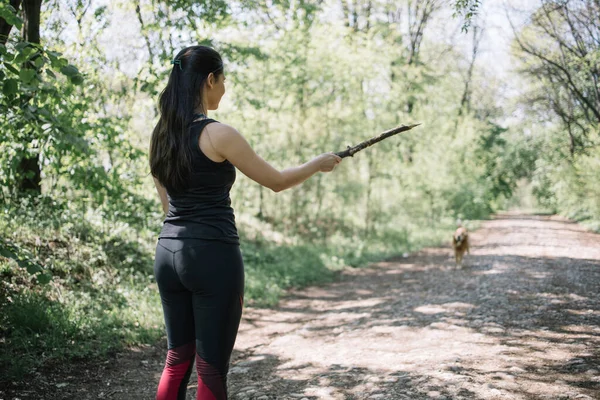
507	95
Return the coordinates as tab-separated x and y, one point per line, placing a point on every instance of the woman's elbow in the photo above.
277	188
278	185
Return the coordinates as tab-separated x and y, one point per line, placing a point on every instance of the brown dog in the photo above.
460	243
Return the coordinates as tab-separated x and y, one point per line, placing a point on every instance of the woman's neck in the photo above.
203	108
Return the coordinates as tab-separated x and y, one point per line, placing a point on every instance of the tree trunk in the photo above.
29	166
5	27
465	102
31	22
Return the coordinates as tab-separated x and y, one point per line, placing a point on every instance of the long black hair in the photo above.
170	152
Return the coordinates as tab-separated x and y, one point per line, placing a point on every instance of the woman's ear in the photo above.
210	80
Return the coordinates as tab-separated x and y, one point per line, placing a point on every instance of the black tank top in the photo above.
203	210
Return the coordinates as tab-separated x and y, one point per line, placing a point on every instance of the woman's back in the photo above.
203	210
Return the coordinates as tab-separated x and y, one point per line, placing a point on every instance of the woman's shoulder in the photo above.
220	131
226	140
221	128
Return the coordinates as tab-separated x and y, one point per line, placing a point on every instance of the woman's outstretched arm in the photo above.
231	145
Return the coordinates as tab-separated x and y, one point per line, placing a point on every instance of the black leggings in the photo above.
201	284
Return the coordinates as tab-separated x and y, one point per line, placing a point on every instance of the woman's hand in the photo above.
328	161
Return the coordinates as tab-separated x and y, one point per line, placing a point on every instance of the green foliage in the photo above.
98	296
505	164
38	331
467	10
24	260
569	186
270	269
9	14
50	116
558	56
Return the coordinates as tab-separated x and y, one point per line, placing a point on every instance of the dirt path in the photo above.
521	320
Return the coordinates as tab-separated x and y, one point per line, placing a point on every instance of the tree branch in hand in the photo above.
350	151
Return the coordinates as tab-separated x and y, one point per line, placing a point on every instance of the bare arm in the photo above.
231	145
162	193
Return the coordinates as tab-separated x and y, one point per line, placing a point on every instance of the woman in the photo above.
198	264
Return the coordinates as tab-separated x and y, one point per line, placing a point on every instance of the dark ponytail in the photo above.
170	152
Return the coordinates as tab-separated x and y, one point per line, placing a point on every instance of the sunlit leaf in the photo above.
39	62
26	75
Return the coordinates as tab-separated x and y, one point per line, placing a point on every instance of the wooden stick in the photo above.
350	151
